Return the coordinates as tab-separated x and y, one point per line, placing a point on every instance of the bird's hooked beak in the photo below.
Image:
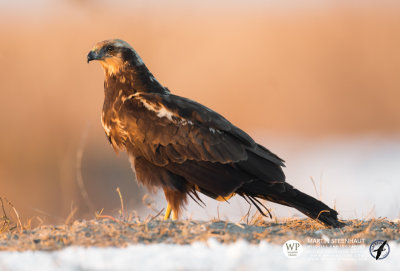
94	55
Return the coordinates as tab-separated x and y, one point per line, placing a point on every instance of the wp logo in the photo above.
292	248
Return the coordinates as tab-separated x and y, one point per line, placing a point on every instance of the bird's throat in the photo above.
112	65
132	80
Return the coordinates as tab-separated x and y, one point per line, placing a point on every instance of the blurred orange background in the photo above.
308	70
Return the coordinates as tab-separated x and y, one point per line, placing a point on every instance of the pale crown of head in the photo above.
113	63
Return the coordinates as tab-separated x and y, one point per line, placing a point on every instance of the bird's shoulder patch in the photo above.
155	104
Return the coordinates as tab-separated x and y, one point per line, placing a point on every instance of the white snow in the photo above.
198	256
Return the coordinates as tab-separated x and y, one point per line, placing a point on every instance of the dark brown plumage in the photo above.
184	147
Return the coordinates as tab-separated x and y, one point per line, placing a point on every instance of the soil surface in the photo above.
111	232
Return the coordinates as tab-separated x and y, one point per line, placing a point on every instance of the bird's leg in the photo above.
174	199
168	212
174	215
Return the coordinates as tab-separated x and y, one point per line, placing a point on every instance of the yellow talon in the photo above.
168	212
174	216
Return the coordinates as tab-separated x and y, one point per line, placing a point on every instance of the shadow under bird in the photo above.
186	148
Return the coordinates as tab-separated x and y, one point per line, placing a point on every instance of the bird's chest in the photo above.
116	127
108	122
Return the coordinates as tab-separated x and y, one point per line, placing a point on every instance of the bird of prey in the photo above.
380	249
184	147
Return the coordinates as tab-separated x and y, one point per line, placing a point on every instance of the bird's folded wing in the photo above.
168	128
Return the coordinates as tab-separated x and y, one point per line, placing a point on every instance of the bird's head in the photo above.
115	55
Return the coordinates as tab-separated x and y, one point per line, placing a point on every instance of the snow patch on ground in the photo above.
198	256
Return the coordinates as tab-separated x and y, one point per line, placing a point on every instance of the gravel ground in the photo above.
109	232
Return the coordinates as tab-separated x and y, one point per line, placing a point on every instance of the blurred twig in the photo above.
315	187
149	202
99	215
71	214
157	215
79	178
6	220
246	216
19	223
44	213
121	212
29	223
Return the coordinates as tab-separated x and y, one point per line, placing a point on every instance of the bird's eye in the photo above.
109	49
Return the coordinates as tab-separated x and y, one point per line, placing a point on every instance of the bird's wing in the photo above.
168	128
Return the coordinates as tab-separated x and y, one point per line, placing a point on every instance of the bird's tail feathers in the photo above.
306	204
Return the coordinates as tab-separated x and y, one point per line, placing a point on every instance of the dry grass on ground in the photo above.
110	232
107	230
